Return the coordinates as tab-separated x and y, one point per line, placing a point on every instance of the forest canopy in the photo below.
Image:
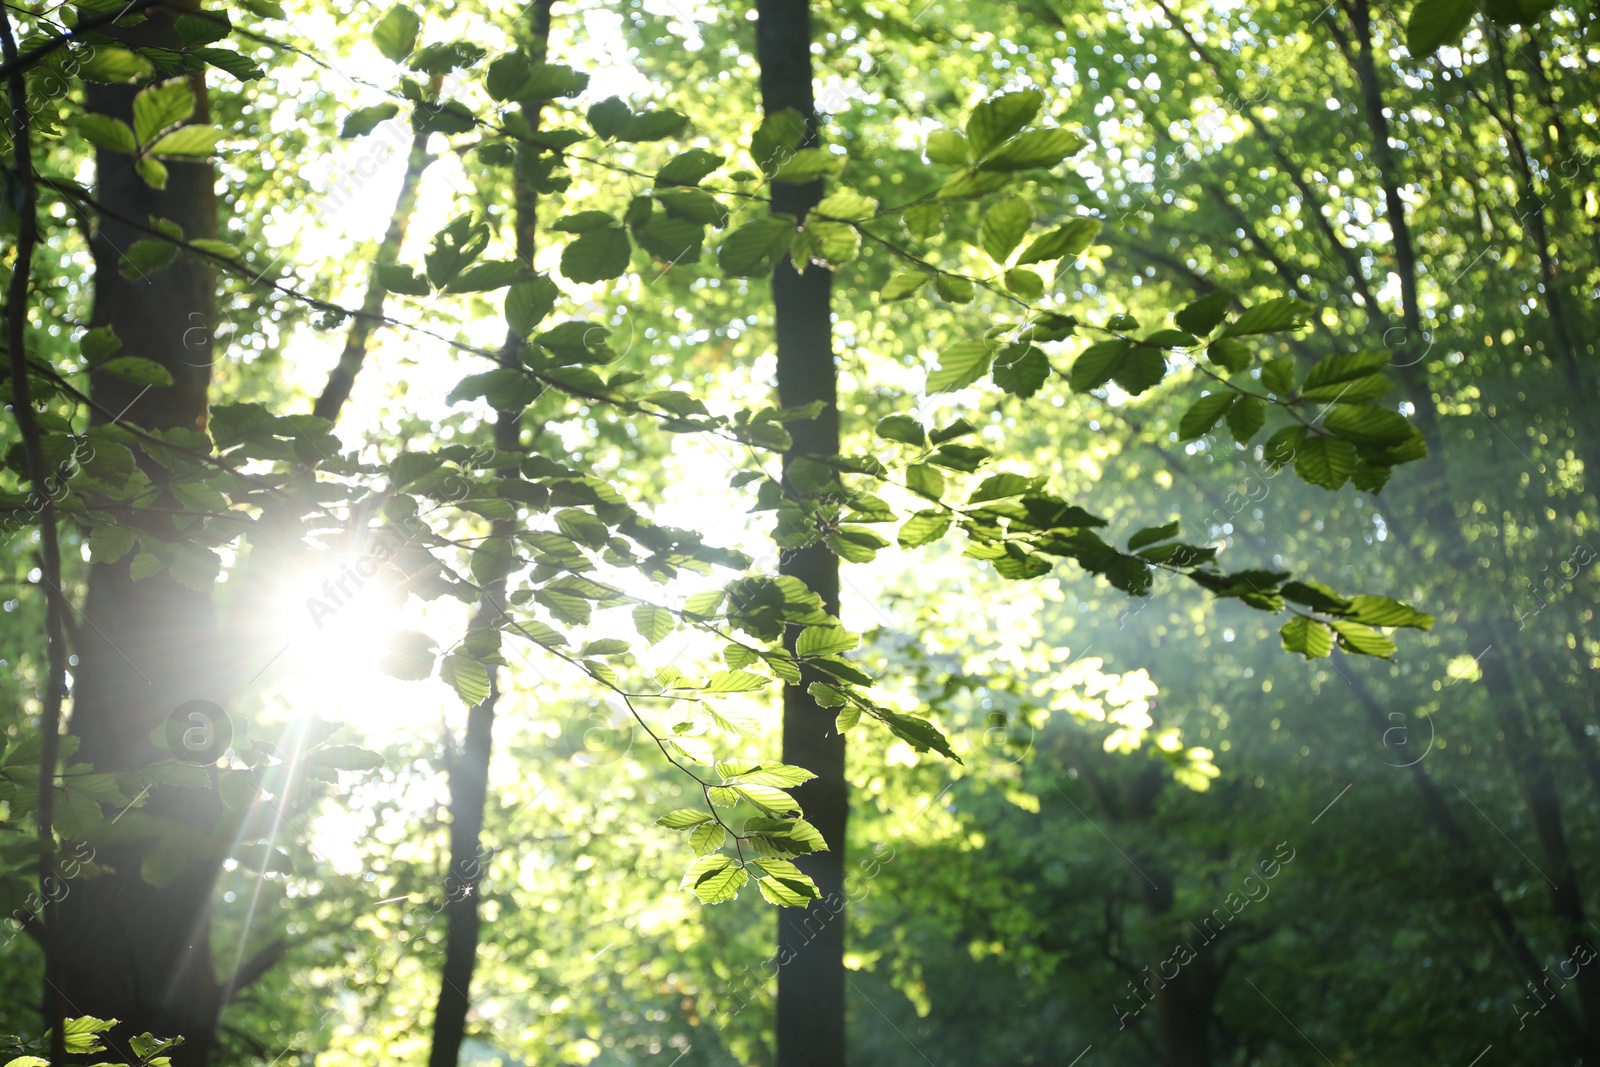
802	534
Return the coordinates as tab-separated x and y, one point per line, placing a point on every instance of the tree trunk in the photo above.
469	767
131	950
811	979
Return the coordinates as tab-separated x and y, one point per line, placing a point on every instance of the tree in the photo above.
811	978
958	261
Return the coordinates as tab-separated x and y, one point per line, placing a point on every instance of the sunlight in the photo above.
335	619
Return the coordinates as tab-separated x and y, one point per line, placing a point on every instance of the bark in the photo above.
131	950
469	767
811	978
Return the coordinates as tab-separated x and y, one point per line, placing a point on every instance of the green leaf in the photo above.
107	64
780	133
948	147
468	677
735	682
188	142
1203	415
160	106
527	303
1346	367
1367	425
753	249
809	164
1278	375
609	116
1021	370
653	623
796	892
1383	611
146	256
399	278
1361	639
1282	447
826	695
485	277
1231	355
396	33
99	343
1274	316
1433	23
547	81
216	248
655	125
923	528
1142	369
153	172
598	255
1202	316
1068	239
855	544
714	879
1097	364
688	168
107	544
921	734
1316	596
1308	637
707	839
822	641
201	29
999	118
902	428
1024	283
1002	486
1152	534
78	1033
683	819
1033	148
1246	417
137	370
1325	461
695	205
959	428
925	481
103	131
1004	226
924	220
1355	391
226	59
960	365
954	288
904	284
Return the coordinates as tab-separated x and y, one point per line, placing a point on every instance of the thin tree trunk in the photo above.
811	978
469	767
16	335
337	391
131	950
